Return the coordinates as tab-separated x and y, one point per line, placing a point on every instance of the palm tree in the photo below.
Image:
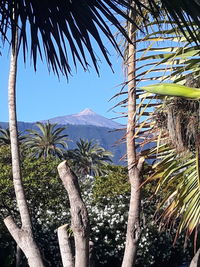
134	162
172	123
48	141
144	65
5	137
88	158
178	168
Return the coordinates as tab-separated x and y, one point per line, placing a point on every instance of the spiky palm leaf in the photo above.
177	164
48	141
163	55
159	62
5	137
88	157
178	178
52	23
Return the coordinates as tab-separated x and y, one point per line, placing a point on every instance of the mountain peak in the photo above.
85	117
86	111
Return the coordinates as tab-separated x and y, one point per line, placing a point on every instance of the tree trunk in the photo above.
65	247
23	236
134	167
79	216
196	260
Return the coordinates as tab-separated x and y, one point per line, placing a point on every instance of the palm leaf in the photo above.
183	198
169	89
176	173
64	29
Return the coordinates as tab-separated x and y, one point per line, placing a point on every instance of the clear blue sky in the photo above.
41	95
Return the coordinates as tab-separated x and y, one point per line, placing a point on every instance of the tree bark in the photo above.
134	167
25	241
196	260
79	216
23	236
65	247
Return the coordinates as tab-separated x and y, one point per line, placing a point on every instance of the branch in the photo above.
65	246
79	216
14	230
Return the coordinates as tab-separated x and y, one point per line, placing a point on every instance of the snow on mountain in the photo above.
85	117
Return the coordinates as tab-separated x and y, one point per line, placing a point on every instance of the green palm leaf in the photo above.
166	55
88	158
48	141
183	198
170	89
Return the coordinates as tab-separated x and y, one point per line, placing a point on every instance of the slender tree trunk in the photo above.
65	247
23	236
79	216
134	167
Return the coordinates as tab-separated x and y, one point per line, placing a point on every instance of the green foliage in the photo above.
108	206
48	141
114	183
5	137
107	200
171	89
88	158
6	184
171	123
41	182
47	198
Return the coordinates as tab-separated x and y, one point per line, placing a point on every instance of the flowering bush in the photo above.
108	218
107	200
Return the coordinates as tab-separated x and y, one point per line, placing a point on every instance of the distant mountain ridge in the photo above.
85	117
86	125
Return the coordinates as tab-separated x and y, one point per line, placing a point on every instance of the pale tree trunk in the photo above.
65	246
79	216
134	166
23	236
196	260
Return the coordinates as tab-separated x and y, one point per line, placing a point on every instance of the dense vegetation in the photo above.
107	199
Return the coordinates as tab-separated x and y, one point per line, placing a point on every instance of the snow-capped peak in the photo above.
85	112
85	117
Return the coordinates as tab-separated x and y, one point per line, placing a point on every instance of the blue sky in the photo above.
41	95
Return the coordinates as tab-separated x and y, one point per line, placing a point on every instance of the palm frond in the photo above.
88	157
178	179
163	55
48	141
64	29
